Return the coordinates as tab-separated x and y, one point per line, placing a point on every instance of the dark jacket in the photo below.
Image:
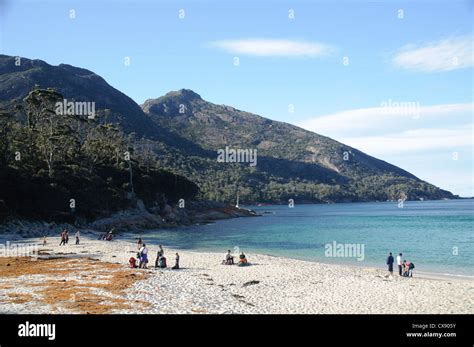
389	260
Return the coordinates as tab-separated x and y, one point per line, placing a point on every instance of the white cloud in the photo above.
392	117
444	55
413	141
274	47
423	145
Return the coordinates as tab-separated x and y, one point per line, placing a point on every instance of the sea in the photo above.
437	236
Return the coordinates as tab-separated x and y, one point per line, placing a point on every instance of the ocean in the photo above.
438	236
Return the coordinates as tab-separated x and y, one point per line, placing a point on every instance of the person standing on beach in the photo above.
44	241
399	263
176	265
78	235
139	243
63	238
66	236
390	263
143	256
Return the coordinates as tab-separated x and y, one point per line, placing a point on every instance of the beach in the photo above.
94	277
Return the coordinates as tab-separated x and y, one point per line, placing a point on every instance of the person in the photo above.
390	263
176	265
229	259
133	262
406	268
159	254
139	243
78	234
243	260
67	236
138	259
162	262
399	263
44	241
63	238
410	269
143	256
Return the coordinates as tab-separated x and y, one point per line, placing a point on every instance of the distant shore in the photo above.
140	218
94	277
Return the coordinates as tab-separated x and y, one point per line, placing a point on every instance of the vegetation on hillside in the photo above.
63	167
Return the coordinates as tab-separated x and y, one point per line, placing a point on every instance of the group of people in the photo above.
229	259
65	237
405	268
141	261
107	236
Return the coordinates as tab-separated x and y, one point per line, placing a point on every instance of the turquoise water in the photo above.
428	233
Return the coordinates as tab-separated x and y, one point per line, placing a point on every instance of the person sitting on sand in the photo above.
138	259
243	260
133	262
159	254
143	257
406	266
229	259
176	265
162	262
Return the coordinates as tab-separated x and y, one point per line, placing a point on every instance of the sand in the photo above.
81	284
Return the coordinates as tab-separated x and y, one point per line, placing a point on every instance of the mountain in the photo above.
77	84
216	126
182	133
292	160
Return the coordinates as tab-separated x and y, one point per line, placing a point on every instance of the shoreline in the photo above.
130	235
270	285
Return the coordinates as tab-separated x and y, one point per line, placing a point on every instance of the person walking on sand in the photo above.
399	263
390	263
176	264
63	238
78	235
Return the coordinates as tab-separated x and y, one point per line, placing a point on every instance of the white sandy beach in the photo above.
270	285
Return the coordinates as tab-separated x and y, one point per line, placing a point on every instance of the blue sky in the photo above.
423	60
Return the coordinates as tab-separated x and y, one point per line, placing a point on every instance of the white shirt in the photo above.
144	250
399	260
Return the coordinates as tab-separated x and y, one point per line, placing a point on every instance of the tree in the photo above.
48	130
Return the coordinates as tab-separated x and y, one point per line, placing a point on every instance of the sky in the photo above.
391	78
